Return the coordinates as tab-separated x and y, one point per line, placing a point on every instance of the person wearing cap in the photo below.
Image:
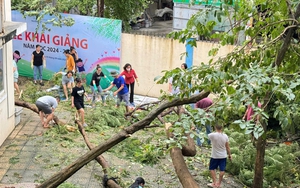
122	91
70	63
78	94
38	61
46	106
16	73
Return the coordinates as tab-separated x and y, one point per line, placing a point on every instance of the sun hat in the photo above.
114	73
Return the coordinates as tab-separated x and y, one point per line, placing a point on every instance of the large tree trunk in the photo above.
261	142
100	8
185	177
65	173
287	40
259	163
182	171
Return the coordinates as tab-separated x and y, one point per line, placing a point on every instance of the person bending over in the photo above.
46	106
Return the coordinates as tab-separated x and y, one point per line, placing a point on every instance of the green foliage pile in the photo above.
281	162
136	150
32	92
109	116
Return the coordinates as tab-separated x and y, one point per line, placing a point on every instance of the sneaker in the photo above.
85	125
42	84
34	82
132	104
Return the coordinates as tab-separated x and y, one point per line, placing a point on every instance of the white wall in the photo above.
150	55
7	107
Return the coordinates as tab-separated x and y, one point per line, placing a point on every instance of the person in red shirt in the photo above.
130	78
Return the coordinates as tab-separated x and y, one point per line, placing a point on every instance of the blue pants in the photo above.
99	89
38	72
208	130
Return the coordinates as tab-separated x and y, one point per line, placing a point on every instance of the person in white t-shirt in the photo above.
220	150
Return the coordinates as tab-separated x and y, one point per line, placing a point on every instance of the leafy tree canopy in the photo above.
253	71
125	10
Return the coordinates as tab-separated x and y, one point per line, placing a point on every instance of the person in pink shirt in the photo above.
250	112
130	78
204	104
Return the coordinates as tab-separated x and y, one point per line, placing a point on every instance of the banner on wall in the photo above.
97	41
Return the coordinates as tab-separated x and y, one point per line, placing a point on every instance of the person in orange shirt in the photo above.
70	63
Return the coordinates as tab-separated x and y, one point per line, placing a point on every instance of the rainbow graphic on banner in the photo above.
110	63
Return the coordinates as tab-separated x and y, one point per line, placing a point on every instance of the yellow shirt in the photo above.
70	63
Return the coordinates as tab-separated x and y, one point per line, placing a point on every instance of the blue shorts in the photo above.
215	163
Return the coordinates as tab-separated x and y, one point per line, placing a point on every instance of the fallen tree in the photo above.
179	164
34	109
67	172
100	159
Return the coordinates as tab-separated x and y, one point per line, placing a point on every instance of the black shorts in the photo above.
46	108
78	105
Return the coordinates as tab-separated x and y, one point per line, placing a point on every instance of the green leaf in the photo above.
248	131
230	90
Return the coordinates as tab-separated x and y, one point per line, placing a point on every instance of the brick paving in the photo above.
26	160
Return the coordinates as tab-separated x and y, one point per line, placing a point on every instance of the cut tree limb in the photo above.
34	109
100	159
67	172
182	171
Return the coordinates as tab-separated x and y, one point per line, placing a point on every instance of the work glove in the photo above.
95	88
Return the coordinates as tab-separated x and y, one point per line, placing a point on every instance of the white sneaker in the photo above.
85	125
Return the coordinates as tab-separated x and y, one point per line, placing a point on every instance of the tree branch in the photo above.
287	41
33	108
67	172
100	159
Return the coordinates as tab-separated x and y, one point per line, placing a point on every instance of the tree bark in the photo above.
100	8
182	171
259	163
261	142
185	177
34	109
100	159
65	173
287	40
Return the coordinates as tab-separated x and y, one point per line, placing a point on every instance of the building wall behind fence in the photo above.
150	55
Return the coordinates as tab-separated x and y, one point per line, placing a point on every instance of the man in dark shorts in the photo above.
38	61
122	91
220	149
46	106
78	94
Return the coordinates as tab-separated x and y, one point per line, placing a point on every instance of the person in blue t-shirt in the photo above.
122	91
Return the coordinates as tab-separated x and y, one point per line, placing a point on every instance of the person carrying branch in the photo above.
122	91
